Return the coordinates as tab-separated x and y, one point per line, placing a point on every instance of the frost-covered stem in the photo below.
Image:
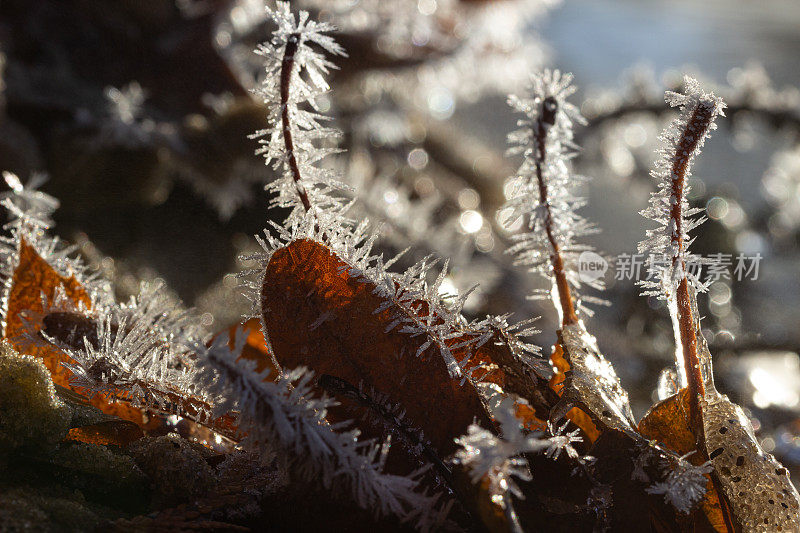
696	129
287	66
541	127
287	415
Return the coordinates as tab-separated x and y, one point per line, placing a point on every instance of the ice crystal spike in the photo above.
287	414
684	485
439	321
27	205
667	245
125	122
294	79
499	458
545	191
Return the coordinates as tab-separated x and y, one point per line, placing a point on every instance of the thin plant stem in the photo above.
542	126
695	130
696	127
287	66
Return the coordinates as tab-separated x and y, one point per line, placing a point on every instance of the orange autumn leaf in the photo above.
255	346
668	423
108	433
32	278
576	415
319	316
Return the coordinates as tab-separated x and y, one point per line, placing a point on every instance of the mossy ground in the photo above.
50	482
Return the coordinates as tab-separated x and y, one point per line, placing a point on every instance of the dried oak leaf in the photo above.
319	316
668	423
32	278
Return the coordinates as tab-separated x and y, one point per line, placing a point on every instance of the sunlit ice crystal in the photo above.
545	195
295	72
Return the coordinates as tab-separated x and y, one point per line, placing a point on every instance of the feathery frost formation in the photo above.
667	245
294	79
287	415
500	457
295	76
138	352
544	191
30	212
684	485
440	320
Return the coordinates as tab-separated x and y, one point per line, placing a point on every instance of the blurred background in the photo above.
138	114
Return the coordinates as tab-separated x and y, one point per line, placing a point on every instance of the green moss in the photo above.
31	415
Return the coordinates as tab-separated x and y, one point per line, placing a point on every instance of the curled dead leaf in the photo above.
318	315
